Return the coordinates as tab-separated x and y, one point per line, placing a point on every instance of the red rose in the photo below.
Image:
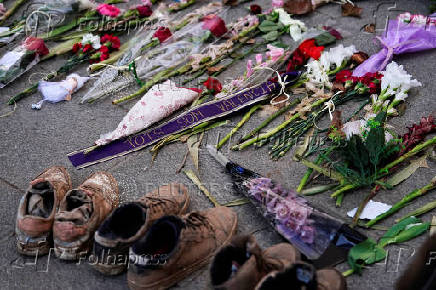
162	33
373	88
309	49
214	24
213	84
144	11
104	56
298	59
255	9
115	43
87	48
76	47
104	49
36	44
343	76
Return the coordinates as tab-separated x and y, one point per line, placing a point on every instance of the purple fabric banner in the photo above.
211	110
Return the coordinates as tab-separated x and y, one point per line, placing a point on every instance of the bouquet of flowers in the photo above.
19	60
311	231
408	33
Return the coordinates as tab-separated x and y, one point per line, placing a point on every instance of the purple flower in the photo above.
282	212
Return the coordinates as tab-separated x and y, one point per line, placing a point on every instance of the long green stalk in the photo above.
269	120
325	171
244	119
404	201
413	152
274	130
309	171
12	10
420	211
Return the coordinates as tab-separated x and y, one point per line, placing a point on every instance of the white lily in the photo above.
296	27
94	40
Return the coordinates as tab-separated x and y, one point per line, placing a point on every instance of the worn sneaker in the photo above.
303	276
242	264
37	208
126	224
175	247
80	214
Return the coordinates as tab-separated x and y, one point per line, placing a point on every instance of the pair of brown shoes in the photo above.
243	265
51	212
158	242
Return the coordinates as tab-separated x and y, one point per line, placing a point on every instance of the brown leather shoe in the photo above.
37	208
174	247
127	223
242	264
303	276
81	212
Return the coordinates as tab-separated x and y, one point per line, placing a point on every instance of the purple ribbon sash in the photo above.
211	110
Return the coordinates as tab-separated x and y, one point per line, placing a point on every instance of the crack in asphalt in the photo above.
11	184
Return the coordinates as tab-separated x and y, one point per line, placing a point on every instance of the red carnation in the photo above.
36	44
87	48
105	38
144	11
104	49
214	24
373	88
309	49
162	33
343	76
115	43
213	84
76	47
104	56
255	9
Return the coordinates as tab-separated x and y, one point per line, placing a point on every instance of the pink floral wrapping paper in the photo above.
159	102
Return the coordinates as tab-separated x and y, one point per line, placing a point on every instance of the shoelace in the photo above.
196	221
156	204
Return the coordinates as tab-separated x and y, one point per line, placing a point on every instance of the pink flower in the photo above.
147	3
108	10
214	24
282	212
277	4
259	58
274	52
36	44
249	68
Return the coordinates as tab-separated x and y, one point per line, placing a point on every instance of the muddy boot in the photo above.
80	214
175	247
36	211
242	264
129	222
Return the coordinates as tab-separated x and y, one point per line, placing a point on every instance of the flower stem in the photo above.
343	189
403	202
370	196
269	120
12	10
239	125
348	273
413	152
420	211
325	171
309	171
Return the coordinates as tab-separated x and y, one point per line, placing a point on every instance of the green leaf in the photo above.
271	36
268	25
324	39
403	231
365	253
406	172
279	44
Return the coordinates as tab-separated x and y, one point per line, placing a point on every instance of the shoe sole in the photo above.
72	253
33	251
172	280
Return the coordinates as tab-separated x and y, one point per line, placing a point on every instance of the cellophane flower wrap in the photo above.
19	60
408	33
172	51
308	229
